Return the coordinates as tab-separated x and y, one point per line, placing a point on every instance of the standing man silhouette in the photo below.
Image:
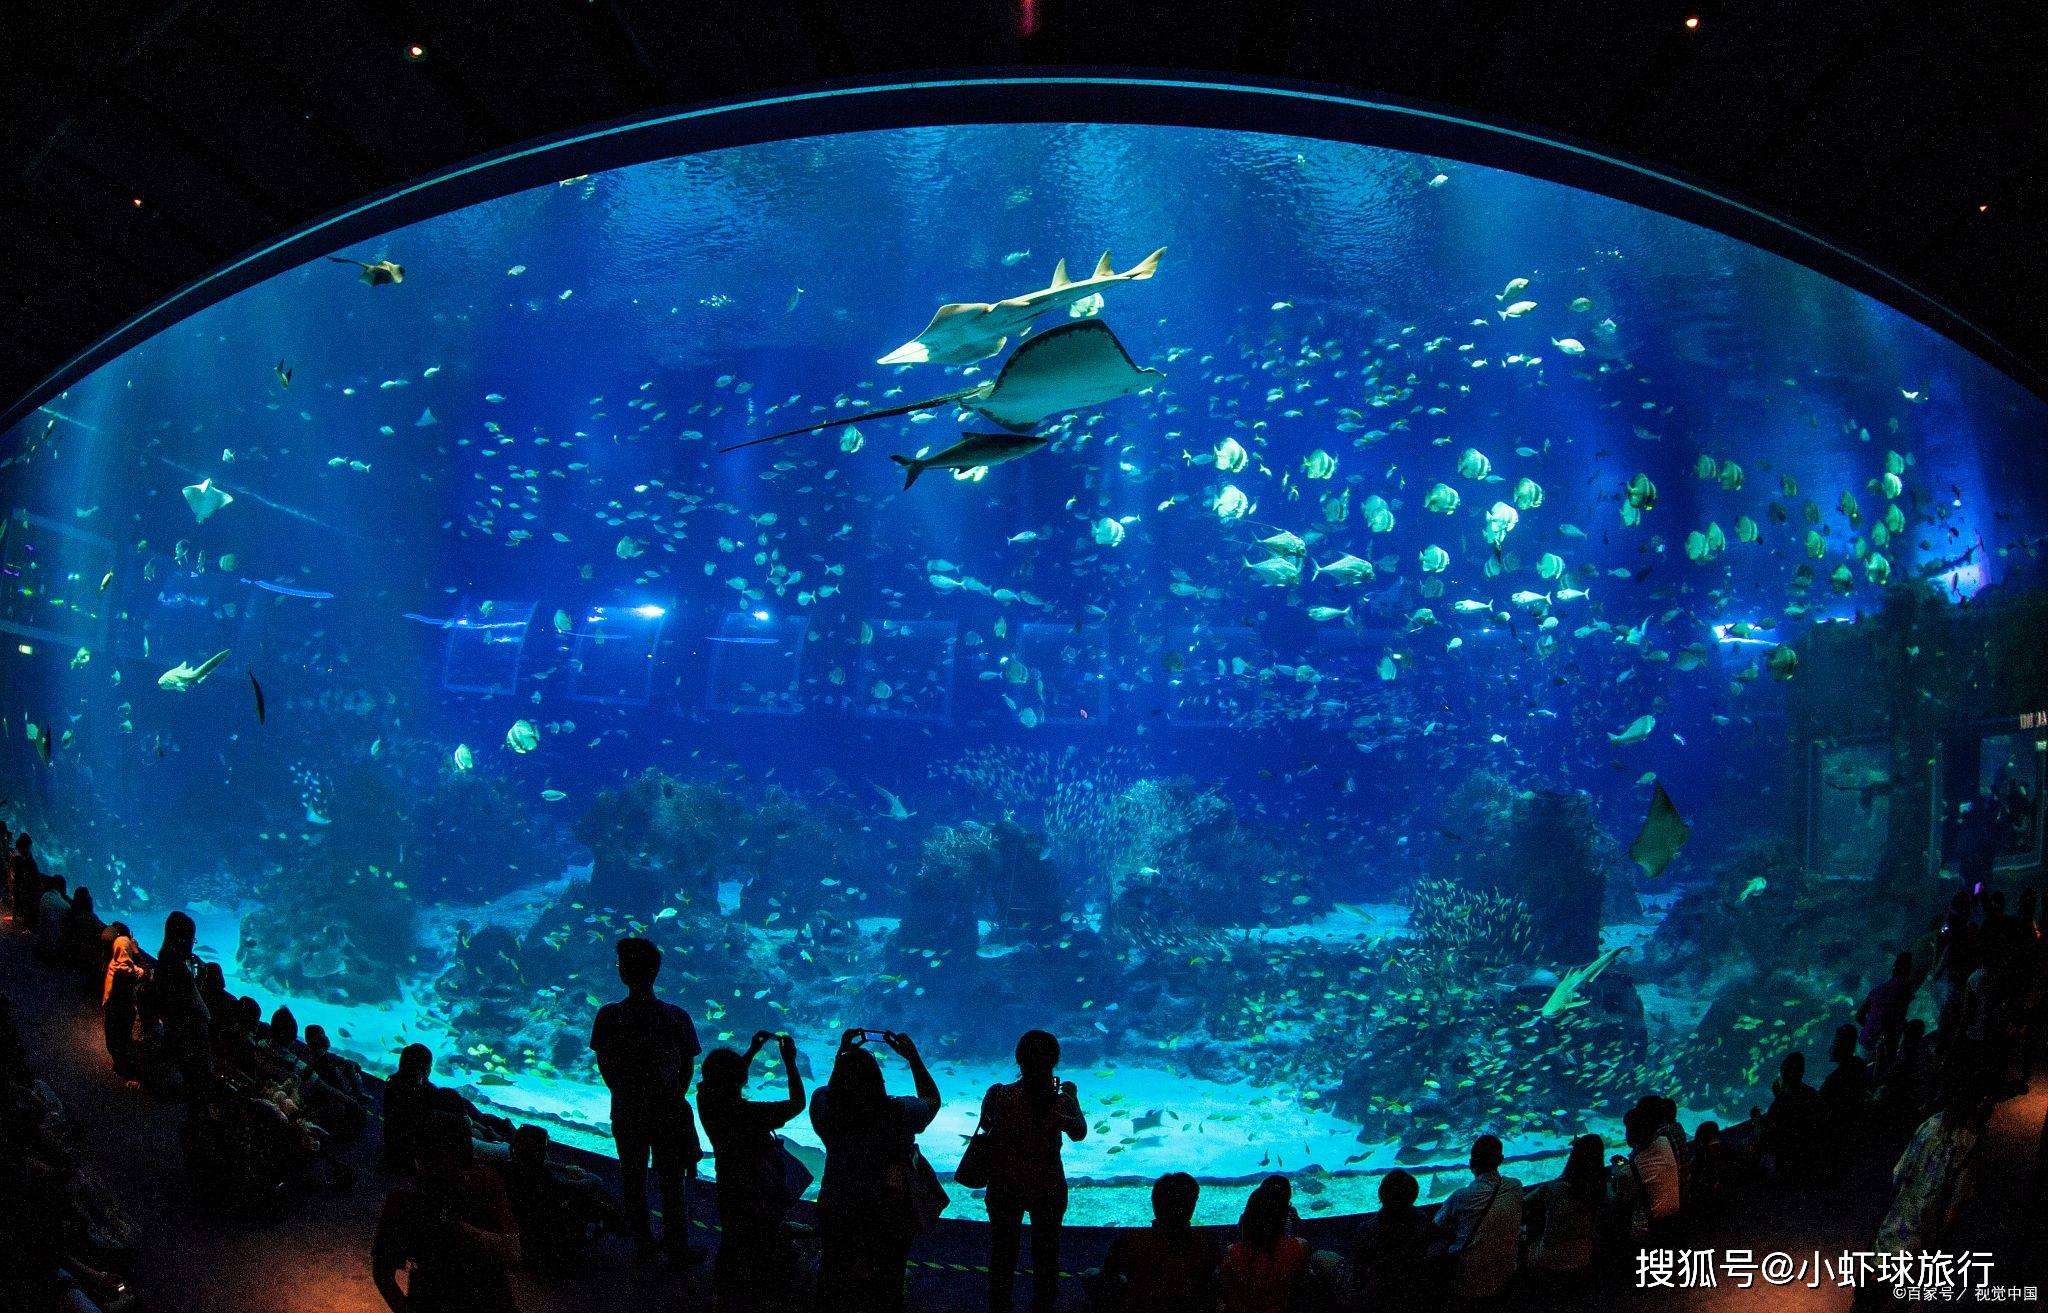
647	1051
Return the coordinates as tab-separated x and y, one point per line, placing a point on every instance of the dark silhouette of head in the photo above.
1585	1171
415	1062
1902	966
856	1082
1174	1196
723	1071
529	1146
22	843
316	1038
1486	1154
1792	1071
1844	1047
639	963
81	902
1399	1190
179	935
1265	1219
1038	1052
284	1027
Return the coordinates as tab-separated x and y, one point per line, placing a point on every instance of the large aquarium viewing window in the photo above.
1368	647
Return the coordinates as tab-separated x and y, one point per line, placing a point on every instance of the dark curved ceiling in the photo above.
144	144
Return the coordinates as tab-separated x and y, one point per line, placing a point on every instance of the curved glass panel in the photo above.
1430	703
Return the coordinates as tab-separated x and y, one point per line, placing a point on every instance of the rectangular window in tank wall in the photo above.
1212	674
486	642
1987	813
906	669
757	662
1067	671
613	652
50	576
1848	807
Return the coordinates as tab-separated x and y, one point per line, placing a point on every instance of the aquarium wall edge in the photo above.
963	97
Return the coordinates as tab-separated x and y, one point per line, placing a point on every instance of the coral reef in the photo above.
1543	846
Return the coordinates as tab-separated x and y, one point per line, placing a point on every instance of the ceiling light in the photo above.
1692	22
415	52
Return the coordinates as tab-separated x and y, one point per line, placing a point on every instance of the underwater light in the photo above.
25	649
650	611
761	616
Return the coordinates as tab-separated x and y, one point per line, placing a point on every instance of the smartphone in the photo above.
874	1037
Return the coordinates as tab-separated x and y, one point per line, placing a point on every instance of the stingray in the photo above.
378	274
963	332
1065	368
1662	835
205	499
973	451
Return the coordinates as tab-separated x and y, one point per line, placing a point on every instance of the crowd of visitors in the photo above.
270	1113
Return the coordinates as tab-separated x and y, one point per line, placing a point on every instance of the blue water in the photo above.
1152	803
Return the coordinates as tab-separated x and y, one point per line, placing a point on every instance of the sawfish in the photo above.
1566	996
183	677
973	451
1077	364
966	331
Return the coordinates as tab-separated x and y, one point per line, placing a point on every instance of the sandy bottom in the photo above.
1227	1135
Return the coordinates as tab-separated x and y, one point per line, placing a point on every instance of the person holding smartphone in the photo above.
1024	1122
867	1203
754	1257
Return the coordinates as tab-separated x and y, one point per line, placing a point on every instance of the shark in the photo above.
897	811
972	451
375	274
1078	364
184	677
1565	996
967	331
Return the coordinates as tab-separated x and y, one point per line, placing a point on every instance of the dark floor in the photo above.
190	1260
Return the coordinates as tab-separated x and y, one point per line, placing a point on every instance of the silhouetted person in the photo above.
122	986
407	1106
455	1228
55	903
1845	1094
561	1209
1562	1217
1931	1179
1169	1267
1906	1082
1707	1185
173	1011
24	882
80	936
1392	1265
1484	1217
1792	1122
1025	1122
868	1206
754	1258
342	1073
1647	1185
647	1052
1267	1270
1882	1014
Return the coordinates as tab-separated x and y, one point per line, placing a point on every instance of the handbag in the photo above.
927	1197
796	1174
977	1164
